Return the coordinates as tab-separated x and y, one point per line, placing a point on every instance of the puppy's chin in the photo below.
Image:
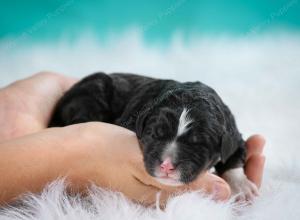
168	181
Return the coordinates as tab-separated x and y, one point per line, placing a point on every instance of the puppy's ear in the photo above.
228	147
140	123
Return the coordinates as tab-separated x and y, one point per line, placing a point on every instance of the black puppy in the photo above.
184	129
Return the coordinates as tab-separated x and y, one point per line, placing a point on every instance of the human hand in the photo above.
120	166
26	105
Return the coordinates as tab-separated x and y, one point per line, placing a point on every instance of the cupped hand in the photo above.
110	157
118	163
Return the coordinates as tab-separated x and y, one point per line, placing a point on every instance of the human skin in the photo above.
32	155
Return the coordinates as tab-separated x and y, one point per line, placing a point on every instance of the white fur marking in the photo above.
236	174
171	148
240	185
168	181
184	122
170	151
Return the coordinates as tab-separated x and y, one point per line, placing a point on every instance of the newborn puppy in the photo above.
184	129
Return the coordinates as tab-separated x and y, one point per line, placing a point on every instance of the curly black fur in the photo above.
151	108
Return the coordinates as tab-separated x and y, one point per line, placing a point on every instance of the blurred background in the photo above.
249	51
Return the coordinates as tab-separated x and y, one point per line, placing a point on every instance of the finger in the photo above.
212	184
209	183
254	169
142	193
255	145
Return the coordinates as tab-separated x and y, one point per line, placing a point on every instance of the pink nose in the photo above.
167	166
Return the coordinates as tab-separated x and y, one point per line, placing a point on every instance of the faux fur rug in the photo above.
258	77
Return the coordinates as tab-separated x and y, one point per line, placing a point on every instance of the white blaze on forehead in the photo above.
170	151
184	122
171	148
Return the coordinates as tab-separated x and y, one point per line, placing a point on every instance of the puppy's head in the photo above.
179	143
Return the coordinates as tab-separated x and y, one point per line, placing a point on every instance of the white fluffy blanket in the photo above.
259	78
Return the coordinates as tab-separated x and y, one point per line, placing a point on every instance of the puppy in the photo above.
184	129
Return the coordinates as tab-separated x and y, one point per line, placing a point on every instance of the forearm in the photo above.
83	153
30	162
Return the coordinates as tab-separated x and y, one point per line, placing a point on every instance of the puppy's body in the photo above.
182	125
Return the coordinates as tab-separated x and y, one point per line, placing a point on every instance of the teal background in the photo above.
159	19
